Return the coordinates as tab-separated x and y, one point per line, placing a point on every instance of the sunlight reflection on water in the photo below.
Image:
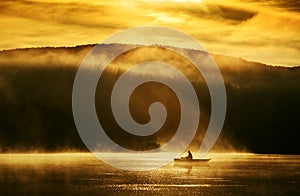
83	173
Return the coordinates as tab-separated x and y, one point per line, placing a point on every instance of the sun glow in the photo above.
178	1
193	1
224	27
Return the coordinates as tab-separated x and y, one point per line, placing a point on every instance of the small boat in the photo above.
185	160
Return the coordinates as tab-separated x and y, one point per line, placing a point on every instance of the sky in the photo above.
261	31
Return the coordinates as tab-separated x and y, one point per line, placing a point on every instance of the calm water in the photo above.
225	174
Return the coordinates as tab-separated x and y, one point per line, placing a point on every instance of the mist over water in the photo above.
35	104
36	93
230	173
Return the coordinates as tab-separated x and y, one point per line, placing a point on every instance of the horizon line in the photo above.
210	53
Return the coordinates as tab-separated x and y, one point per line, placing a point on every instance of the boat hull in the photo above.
177	160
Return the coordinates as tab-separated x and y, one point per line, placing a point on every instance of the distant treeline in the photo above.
36	104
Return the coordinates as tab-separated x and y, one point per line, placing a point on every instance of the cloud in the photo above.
257	31
290	5
31	23
209	11
74	14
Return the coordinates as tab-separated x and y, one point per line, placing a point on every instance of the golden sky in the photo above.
263	31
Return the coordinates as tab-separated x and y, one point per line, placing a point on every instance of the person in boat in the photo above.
190	156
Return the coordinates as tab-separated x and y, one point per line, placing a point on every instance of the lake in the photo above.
82	173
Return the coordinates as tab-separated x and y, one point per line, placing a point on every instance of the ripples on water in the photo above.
229	174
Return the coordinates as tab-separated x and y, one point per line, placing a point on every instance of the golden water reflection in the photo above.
83	173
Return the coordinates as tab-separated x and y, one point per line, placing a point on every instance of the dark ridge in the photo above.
36	103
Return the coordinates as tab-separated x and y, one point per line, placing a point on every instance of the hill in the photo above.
36	103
